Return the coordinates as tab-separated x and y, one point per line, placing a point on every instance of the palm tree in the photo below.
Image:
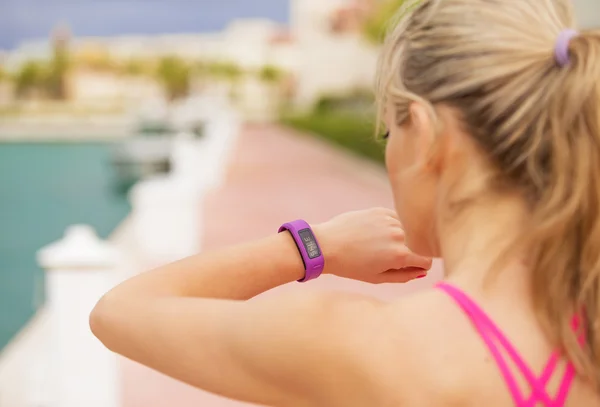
175	75
57	74
30	77
55	81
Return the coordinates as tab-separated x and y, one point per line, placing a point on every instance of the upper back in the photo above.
430	354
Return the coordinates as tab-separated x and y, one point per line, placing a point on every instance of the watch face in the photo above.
310	243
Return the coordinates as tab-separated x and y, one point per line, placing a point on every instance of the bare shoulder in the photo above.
425	329
427	321
396	353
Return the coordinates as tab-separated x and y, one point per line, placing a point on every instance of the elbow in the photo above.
103	319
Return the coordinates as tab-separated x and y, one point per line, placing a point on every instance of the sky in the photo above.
33	19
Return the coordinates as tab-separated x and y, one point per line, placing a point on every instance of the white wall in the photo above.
97	87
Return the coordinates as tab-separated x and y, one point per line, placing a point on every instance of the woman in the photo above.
493	154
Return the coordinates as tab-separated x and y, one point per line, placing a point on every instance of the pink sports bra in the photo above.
494	339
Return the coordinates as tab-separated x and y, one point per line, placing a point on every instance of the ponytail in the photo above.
566	222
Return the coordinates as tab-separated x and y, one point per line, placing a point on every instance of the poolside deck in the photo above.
276	175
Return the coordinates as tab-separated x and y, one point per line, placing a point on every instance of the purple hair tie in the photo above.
561	50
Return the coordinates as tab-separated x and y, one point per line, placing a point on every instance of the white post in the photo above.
221	134
166	217
80	269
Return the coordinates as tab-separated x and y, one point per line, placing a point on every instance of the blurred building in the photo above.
322	49
333	56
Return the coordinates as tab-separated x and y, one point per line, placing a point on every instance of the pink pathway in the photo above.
276	175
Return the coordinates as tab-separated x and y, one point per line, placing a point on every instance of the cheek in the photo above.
399	159
414	196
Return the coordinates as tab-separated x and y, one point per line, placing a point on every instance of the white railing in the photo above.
57	362
166	210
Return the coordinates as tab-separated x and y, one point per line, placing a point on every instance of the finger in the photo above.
392	213
414	260
400	276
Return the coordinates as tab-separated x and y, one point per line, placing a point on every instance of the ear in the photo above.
424	129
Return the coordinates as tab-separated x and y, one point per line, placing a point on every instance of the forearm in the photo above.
237	273
185	318
148	319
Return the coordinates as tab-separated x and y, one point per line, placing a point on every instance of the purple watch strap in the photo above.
309	249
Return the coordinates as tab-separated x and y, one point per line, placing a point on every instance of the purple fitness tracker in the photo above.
309	249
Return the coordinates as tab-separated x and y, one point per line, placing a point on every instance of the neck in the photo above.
474	246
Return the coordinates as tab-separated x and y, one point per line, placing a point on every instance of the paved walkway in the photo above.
276	175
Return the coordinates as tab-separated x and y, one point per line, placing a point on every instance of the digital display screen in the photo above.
310	243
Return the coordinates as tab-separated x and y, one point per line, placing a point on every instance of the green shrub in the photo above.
358	100
354	132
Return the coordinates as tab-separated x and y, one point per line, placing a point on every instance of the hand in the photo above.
369	246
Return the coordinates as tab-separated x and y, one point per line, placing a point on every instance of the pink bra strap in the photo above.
567	381
491	334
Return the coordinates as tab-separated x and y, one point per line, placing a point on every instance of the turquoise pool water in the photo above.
43	189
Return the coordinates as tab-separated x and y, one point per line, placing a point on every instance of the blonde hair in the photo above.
538	123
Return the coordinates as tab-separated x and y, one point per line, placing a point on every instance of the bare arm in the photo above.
187	320
236	273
